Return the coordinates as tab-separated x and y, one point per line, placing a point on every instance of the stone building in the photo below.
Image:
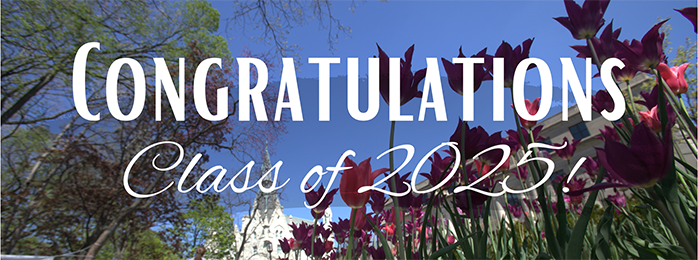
267	224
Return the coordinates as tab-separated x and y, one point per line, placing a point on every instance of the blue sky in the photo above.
438	29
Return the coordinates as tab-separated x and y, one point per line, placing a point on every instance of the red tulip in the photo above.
355	178
532	108
651	118
359	218
674	77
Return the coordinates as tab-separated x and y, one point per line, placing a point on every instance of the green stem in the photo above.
312	238
350	248
397	211
670	221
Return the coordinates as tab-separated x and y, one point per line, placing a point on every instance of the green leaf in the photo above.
576	243
449	248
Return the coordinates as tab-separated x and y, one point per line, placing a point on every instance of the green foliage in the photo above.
214	225
149	245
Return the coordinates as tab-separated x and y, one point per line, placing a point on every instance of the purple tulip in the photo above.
567	152
608	133
583	22
285	245
532	203
377	201
301	232
591	166
455	72
515	210
408	81
645	162
602	101
645	54
474	141
314	196
438	166
603	45
626	74
514	136
521	172
690	14
651	99
512	58
617	199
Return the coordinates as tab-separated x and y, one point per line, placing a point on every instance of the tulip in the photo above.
514	136
626	74
301	232
645	162
532	109
438	167
646	54
532	204
521	172
377	201
455	72
674	77
512	58
515	210
314	196
590	166
651	99
690	14
359	218
602	101
608	133
354	178
408	81
576	184
340	229
603	45
651	118
285	245
474	141
583	22
568	151
617	199
389	230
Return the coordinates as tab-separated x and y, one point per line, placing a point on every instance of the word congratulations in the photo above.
249	95
273	173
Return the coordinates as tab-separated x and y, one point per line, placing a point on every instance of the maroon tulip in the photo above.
583	22
625	74
455	72
515	210
567	152
285	245
474	142
377	201
590	166
645	162
355	178
408	81
603	45
521	172
438	170
514	136
602	101
617	199
512	58
359	218
574	185
646	54
314	196
608	133
690	14
651	99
